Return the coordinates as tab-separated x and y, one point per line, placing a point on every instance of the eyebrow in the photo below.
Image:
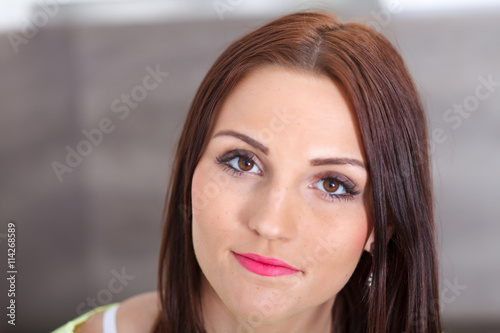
245	138
314	162
340	160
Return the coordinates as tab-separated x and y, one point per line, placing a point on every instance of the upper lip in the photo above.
266	260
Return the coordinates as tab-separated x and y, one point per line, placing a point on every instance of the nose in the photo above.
273	214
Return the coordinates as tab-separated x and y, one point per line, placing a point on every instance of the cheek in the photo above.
209	210
338	244
203	221
346	229
357	234
354	235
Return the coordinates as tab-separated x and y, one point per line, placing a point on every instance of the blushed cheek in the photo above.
206	210
210	188
199	206
353	239
359	236
199	199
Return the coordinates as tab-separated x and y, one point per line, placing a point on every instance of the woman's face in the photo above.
281	210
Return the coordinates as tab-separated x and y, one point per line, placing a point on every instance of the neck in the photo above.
219	319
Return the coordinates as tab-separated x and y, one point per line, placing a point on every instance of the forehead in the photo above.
276	106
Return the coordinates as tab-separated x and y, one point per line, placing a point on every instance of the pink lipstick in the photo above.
264	266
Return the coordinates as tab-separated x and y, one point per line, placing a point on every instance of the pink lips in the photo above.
264	266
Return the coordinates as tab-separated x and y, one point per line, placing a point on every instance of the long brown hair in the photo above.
404	292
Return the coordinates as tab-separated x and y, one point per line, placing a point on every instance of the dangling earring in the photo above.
369	280
370	276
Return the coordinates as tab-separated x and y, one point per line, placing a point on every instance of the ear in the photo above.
371	238
389	232
369	241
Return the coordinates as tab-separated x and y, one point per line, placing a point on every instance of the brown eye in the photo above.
245	164
331	185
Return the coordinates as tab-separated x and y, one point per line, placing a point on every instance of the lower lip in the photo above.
260	268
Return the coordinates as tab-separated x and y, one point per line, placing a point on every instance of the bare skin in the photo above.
135	315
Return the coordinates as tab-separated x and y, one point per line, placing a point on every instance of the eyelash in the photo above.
349	187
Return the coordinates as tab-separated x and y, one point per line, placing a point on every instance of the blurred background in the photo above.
93	95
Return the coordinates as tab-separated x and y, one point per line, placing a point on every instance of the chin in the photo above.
261	313
258	303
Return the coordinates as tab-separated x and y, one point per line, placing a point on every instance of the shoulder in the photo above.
136	314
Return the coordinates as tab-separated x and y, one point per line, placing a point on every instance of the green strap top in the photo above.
70	326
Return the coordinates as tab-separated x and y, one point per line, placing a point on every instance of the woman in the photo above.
300	198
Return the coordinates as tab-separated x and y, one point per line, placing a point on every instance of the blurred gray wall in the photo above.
103	219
